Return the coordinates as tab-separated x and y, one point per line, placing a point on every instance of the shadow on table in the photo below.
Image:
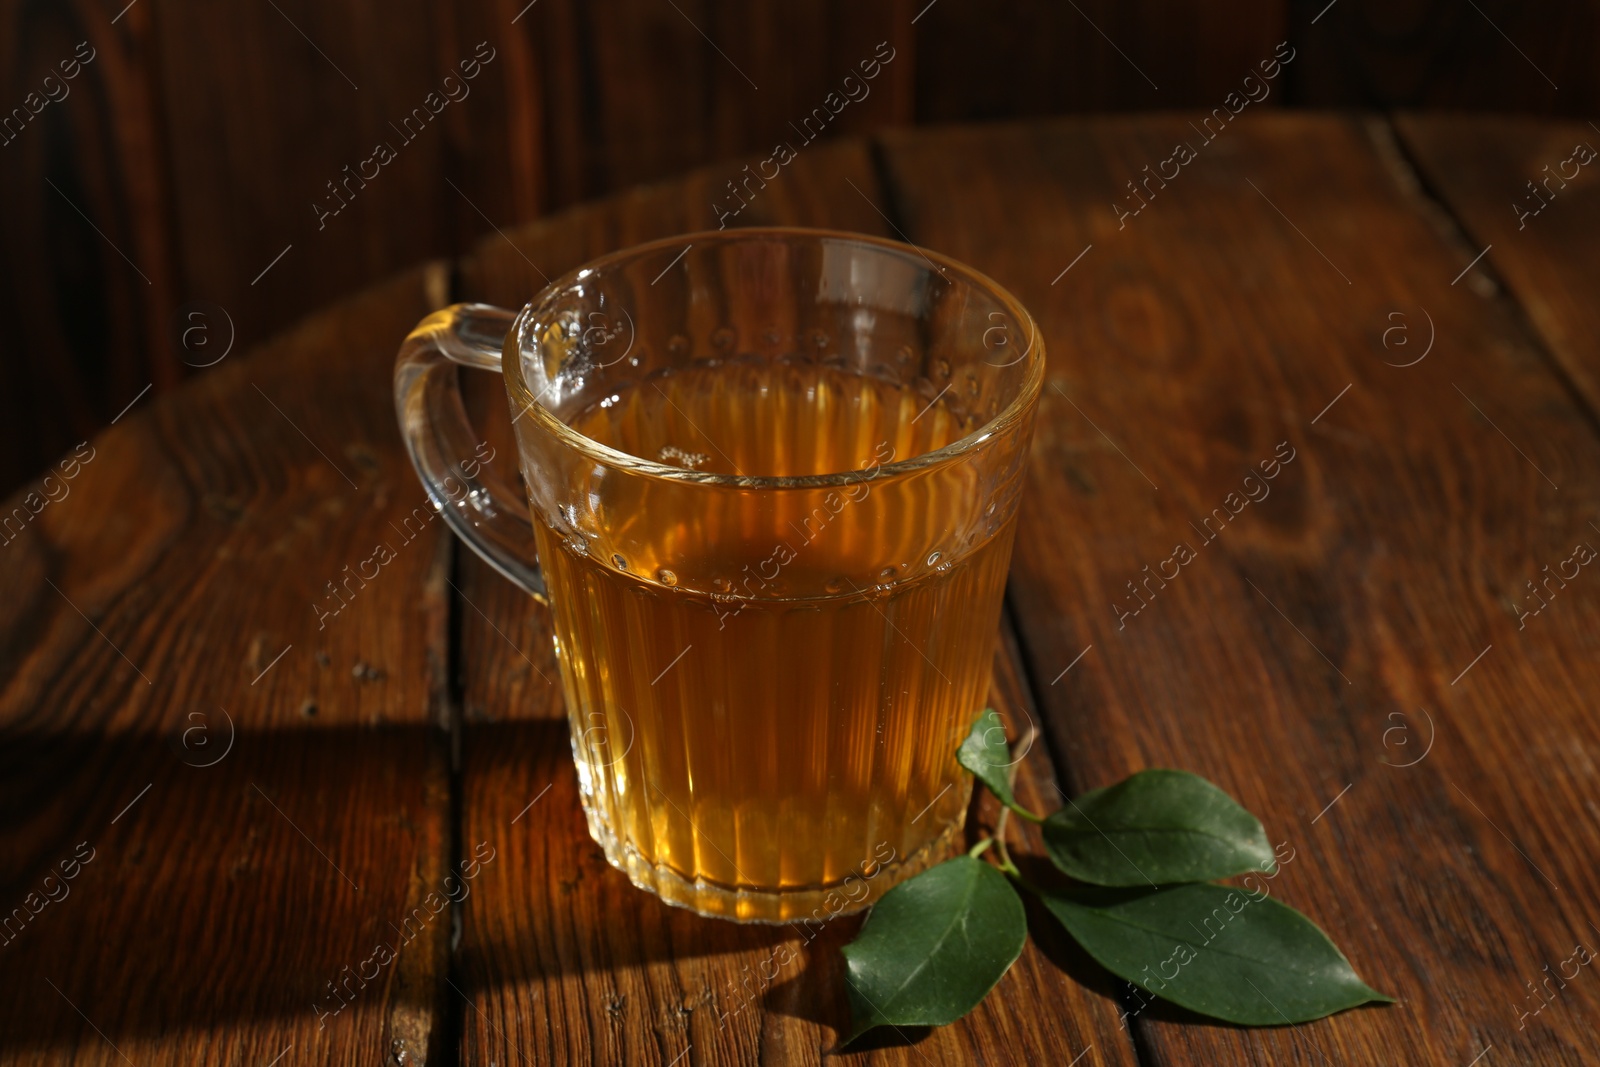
551	905
156	890
257	889
188	897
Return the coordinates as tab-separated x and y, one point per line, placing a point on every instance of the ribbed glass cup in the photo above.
773	477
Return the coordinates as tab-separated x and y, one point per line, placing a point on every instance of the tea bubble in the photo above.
666	577
620	561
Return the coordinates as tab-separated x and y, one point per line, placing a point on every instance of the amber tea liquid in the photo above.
767	696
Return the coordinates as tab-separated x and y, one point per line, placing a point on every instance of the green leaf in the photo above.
1218	950
987	756
1156	828
934	946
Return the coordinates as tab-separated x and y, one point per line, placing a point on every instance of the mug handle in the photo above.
442	443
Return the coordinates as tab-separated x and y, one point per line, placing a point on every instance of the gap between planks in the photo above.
1401	161
1014	642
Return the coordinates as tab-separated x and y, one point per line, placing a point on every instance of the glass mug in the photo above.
773	477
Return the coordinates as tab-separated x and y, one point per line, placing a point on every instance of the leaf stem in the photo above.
1005	860
980	848
1000	825
1004	819
1011	780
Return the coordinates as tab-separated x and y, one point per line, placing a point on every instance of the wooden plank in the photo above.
1483	56
564	110
202	139
329	135
89	293
252	766
986	62
1372	593
1055	982
510	269
561	959
647	90
1543	241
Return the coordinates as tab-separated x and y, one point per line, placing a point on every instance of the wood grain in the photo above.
201	139
1481	168
87	284
268	104
1353	655
259	794
1250	294
647	90
562	960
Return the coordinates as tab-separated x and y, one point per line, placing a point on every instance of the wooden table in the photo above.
264	801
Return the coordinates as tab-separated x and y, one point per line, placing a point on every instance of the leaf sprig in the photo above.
1145	855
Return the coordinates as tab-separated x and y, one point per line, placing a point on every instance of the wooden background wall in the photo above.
172	185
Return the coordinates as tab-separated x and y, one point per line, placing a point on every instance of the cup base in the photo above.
815	904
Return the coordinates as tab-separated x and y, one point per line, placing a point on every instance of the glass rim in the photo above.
612	457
